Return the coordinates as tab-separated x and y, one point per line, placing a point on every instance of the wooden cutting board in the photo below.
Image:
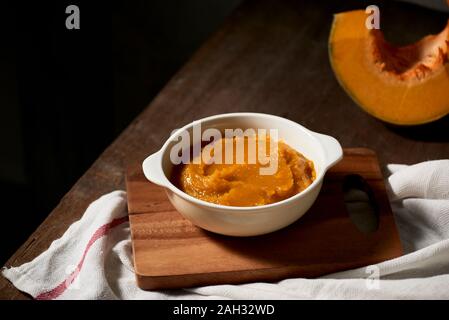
170	252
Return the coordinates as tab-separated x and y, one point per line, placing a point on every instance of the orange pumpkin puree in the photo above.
242	184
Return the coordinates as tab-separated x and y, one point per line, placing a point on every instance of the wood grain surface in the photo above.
170	252
269	56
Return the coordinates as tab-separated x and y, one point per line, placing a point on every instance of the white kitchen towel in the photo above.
93	259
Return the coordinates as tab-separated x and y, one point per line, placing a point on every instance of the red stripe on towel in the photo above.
103	230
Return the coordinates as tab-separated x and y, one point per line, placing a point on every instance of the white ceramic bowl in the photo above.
323	150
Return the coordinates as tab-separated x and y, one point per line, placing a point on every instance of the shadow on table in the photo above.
437	131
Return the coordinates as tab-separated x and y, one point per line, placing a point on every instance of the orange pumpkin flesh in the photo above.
401	85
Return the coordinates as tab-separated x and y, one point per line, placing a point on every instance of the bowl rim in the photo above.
218	207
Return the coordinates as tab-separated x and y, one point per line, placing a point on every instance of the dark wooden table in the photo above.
269	56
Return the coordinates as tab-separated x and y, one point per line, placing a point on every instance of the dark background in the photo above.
66	94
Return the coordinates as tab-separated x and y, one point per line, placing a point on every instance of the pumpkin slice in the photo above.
401	85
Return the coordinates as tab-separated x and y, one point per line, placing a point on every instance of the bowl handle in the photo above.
152	169
332	149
